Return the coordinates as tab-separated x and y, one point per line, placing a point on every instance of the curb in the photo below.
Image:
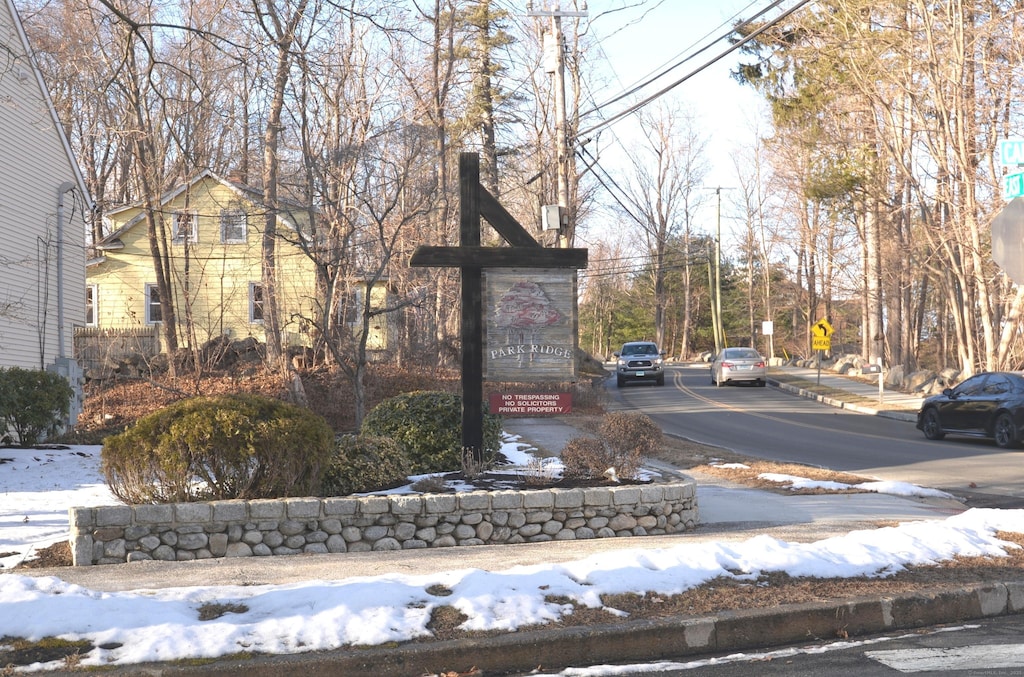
639	641
908	416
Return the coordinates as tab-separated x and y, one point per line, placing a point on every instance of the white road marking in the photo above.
977	657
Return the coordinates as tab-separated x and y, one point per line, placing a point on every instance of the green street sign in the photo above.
1013	186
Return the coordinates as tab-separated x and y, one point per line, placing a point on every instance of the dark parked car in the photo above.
986	405
639	361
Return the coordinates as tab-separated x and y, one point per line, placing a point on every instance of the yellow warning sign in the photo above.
821	328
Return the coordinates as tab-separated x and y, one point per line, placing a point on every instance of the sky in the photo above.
37	487
645	38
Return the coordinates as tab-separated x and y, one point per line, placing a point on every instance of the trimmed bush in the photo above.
428	426
362	464
33	403
223	447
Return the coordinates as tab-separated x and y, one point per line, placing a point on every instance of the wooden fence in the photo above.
100	351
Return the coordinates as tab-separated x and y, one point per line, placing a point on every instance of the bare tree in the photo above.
662	190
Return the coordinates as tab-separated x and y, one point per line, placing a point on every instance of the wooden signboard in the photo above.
525	252
530	330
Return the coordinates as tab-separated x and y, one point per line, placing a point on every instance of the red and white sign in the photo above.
530	404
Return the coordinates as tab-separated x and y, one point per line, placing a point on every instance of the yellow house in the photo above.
214	228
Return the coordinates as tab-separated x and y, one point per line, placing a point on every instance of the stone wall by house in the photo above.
186	531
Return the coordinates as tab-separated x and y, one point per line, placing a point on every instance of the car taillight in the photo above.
760	364
727	365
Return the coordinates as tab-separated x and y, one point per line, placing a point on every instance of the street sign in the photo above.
821	343
821	329
1008	239
1013	185
1011	152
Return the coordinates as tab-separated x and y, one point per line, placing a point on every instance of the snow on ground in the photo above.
38	486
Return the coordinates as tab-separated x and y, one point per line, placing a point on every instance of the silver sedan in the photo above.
733	365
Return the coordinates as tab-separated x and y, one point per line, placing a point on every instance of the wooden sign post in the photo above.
525	252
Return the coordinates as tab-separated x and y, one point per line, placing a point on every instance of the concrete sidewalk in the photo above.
862	394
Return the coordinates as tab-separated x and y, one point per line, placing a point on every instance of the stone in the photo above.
551	528
622	522
387	544
218	545
164	553
239	549
484	530
252	537
192	541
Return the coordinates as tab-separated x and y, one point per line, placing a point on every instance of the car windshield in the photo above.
742	354
642	349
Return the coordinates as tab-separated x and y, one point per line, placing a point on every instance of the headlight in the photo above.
658	361
620	362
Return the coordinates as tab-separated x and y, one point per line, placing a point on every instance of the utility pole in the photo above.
554	63
716	309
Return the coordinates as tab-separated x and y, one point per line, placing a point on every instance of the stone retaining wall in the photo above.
186	531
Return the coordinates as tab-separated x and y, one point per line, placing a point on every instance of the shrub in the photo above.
630	433
209	448
33	403
362	463
428	426
585	458
626	438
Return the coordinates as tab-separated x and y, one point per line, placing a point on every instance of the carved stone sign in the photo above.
530	329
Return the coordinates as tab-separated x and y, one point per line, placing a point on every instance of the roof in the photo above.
58	125
243	191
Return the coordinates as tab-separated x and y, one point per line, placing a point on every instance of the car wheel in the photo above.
931	426
718	381
1004	433
760	383
661	380
619	381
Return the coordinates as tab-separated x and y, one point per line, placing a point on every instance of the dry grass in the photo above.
750	475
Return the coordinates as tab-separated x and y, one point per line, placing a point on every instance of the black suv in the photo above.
639	361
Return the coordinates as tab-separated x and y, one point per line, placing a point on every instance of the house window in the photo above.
90	305
153	311
232	226
186	224
255	302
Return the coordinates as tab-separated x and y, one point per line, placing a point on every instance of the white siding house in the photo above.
43	202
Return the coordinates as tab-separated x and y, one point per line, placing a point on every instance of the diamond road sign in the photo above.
1008	239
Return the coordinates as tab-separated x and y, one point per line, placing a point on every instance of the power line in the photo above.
666	69
732	48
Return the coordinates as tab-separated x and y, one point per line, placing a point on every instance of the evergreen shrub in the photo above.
428	426
222	447
362	463
33	403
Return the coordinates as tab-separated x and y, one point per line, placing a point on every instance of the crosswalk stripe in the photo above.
976	657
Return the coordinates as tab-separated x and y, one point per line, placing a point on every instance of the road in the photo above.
775	425
988	648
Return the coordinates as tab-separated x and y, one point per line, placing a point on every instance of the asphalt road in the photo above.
986	648
775	425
